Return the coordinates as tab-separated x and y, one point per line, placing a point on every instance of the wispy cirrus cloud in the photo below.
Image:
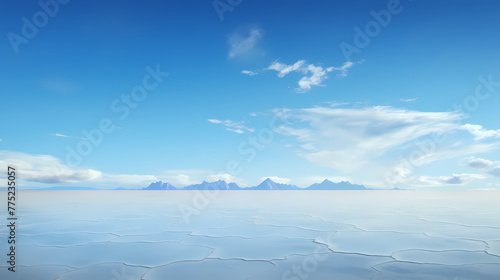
374	139
336	104
67	136
343	69
345	139
60	135
408	99
233	126
240	45
249	73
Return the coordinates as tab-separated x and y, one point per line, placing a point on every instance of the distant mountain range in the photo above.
217	185
267	184
329	185
158	186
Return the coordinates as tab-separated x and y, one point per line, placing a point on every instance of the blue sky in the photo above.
264	87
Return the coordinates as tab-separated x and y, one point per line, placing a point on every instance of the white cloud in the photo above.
42	170
457	149
439	181
495	171
215	121
489	167
478	162
276	179
61	176
479	132
224	177
344	67
455	179
318	75
409	99
60	135
46	169
284	69
336	104
384	143
315	75
249	73
460	179
345	139
240	45
182	178
233	126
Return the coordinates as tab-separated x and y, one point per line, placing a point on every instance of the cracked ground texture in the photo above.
257	235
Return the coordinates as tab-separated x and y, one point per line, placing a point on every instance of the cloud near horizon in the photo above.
439	181
487	166
46	169
182	178
374	138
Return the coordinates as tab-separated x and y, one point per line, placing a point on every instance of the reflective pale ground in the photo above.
256	235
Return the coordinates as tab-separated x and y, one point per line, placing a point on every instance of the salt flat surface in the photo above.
255	235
